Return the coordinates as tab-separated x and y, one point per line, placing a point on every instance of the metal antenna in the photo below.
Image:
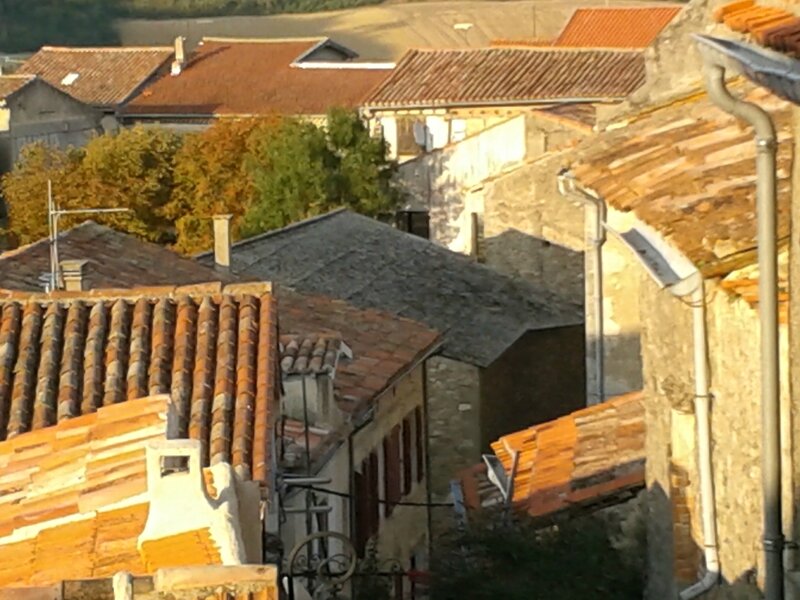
53	213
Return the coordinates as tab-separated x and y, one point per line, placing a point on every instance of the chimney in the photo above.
72	273
222	241
180	56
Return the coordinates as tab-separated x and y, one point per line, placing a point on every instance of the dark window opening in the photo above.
415	222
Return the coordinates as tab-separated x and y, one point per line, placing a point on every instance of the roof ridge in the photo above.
165	291
273	232
263	40
106	48
42	241
18	76
530	49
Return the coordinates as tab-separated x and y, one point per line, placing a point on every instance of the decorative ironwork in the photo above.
326	574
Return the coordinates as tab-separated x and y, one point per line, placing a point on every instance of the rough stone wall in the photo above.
539	378
794	313
453	420
674	527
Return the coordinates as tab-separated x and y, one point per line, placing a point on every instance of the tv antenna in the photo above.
53	214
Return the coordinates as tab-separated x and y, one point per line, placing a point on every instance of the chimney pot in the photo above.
72	273
222	241
180	56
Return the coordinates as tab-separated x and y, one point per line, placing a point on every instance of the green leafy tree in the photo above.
514	558
25	190
211	177
302	170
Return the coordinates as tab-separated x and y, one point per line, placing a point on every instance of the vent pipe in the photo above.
180	56
222	241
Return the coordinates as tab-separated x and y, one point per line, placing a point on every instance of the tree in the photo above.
25	190
500	555
303	170
211	177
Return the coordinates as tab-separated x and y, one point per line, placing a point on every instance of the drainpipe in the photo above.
768	313
701	411
568	188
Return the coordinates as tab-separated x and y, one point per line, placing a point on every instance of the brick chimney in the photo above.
72	273
180	56
222	241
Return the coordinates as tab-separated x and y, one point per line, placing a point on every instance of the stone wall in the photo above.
674	528
539	378
453	420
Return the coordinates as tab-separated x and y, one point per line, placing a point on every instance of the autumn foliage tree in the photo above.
267	173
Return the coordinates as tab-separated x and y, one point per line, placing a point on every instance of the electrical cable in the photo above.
380	501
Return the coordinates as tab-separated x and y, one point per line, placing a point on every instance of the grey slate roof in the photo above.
372	265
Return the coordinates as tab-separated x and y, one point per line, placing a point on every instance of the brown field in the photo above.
384	31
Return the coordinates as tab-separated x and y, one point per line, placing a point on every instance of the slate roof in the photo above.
688	170
616	26
594	456
372	265
255	77
106	77
115	259
213	348
74	499
11	84
507	76
309	354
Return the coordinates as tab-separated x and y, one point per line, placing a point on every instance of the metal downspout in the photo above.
702	402
768	313
567	187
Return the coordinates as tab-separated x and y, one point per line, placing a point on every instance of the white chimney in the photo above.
222	241
72	273
180	56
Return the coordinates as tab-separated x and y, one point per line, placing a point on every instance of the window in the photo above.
415	222
391	473
406	138
419	431
408	453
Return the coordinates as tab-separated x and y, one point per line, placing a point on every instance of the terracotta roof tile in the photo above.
616	27
509	76
10	84
101	77
586	457
770	26
688	171
255	77
143	342
315	354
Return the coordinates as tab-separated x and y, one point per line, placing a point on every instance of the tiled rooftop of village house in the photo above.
255	77
213	348
313	354
73	499
384	345
606	27
530	75
594	456
102	77
10	84
773	27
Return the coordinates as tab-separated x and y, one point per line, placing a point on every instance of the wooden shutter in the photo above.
407	454
419	430
373	508
362	525
391	474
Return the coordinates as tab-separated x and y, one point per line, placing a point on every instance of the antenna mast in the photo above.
53	213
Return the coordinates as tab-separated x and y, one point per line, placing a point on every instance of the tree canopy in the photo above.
266	173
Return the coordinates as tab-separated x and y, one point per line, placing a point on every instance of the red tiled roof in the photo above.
616	26
75	497
582	458
213	349
114	259
230	77
688	170
315	354
500	76
10	84
384	346
106	77
772	27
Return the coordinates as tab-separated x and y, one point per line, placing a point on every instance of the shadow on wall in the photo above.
537	261
674	559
